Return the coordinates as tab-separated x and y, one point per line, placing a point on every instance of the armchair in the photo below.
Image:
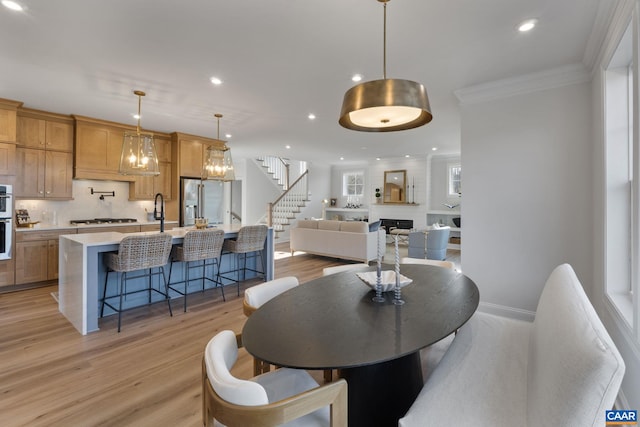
278	397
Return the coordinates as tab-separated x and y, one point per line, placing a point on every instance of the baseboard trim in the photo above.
504	311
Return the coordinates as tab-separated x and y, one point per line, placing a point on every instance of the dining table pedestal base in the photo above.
380	394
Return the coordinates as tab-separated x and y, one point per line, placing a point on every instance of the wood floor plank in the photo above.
146	375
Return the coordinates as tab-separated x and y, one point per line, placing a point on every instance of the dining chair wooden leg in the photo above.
328	375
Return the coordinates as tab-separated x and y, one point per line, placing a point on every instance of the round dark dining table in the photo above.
332	323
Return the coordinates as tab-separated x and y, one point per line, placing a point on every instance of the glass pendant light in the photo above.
385	105
217	160
139	155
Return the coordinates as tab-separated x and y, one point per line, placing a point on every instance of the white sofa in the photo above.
350	240
561	370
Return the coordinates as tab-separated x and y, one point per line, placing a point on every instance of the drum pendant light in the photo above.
217	160
139	155
385	105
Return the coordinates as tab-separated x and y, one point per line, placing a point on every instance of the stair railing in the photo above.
279	211
279	168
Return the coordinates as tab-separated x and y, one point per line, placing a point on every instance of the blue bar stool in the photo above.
198	247
137	253
250	240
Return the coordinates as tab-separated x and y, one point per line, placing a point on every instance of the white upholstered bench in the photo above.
561	370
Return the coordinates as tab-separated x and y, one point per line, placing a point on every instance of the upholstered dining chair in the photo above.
438	263
347	267
137	253
250	240
198	247
286	395
255	297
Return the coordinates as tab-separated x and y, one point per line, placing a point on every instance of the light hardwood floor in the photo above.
146	375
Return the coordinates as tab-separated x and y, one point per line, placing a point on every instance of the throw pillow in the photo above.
374	226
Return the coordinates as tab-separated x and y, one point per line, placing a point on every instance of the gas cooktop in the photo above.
103	221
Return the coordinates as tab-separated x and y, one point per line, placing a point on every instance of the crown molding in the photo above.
607	10
548	79
617	24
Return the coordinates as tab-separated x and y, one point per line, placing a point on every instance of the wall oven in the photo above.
6	221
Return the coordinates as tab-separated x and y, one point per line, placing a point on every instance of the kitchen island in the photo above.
82	271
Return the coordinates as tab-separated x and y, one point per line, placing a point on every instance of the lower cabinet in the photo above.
36	255
7	272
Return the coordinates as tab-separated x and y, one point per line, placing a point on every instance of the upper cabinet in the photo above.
8	124
40	133
44	155
97	156
8	119
189	153
146	187
97	149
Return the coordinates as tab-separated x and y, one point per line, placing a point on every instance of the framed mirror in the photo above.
395	187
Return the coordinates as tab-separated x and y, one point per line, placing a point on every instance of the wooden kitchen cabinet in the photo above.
7	159
36	255
146	187
98	148
8	119
31	262
44	166
42	130
189	153
44	174
8	272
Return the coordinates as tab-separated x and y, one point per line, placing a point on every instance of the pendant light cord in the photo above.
384	44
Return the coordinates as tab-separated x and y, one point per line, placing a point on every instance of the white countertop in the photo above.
51	227
114	238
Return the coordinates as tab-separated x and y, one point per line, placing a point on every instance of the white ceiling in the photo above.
279	60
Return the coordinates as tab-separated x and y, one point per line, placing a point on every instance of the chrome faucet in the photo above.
155	210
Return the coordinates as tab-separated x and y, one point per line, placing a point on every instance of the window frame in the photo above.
452	180
357	175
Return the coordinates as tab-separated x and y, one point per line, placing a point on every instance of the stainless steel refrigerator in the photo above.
217	201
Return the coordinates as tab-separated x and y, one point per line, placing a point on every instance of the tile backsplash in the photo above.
86	205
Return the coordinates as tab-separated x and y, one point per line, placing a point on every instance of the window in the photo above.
353	184
454	180
622	207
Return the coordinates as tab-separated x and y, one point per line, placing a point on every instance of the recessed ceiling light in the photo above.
227	135
356	77
527	25
406	155
434	148
341	158
287	147
136	116
12	5
216	81
311	116
377	158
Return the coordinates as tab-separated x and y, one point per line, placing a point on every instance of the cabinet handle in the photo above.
40	192
49	192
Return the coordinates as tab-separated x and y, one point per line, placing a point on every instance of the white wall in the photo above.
374	178
438	195
527	190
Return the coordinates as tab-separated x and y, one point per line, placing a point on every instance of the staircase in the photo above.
294	196
278	169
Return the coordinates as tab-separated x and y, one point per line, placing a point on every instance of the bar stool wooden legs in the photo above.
198	247
142	254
